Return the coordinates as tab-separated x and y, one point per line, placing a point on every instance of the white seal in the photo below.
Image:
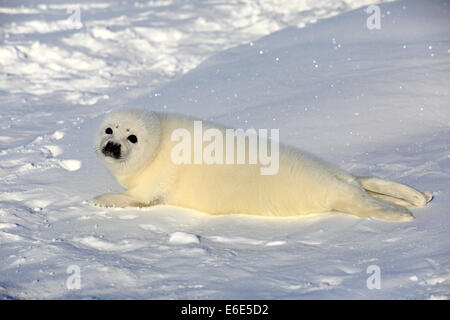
137	147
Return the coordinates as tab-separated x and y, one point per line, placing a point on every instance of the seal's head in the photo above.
127	140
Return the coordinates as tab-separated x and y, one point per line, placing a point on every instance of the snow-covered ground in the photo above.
371	101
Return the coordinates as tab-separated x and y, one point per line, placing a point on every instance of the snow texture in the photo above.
374	102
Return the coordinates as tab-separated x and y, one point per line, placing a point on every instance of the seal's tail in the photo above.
394	192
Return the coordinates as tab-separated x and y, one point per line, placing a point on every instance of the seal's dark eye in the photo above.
132	138
108	131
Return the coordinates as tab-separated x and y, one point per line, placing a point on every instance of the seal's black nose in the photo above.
112	149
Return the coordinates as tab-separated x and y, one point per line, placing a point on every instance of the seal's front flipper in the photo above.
116	200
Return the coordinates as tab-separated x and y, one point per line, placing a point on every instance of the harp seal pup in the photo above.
136	145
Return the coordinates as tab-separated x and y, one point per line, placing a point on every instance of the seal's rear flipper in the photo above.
394	192
384	197
354	200
428	196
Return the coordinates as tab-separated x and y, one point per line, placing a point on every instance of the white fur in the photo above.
303	185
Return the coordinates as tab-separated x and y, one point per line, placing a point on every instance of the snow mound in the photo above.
183	238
